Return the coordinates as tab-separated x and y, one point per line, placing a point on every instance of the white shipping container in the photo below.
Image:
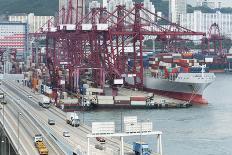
53	29
39	82
131	128
67	27
196	64
69	101
102	27
85	86
107	102
123	98
138	127
147	126
208	59
96	90
118	81
86	27
49	91
138	103
105	97
103	127
152	62
167	57
130	119
176	55
65	94
161	63
229	57
62	82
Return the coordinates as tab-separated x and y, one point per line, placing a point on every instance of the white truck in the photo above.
44	101
73	119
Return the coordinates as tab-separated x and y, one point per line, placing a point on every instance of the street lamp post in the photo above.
141	123
3	120
19	114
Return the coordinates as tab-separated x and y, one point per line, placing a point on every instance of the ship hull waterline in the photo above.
189	92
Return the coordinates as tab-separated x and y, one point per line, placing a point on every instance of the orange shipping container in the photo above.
138	98
176	60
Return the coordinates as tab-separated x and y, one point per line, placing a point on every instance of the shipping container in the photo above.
122	102
138	98
126	98
106	102
138	103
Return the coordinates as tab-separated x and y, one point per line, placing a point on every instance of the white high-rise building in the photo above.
94	4
177	7
129	4
14	35
210	3
201	22
34	22
81	8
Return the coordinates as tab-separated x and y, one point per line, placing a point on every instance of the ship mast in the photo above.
202	70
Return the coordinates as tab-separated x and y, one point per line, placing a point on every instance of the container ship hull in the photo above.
190	92
187	90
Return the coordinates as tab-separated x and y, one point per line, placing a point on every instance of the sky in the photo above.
225	3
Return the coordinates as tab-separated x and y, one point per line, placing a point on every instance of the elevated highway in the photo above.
33	119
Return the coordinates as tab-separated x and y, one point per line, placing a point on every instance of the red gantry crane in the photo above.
103	41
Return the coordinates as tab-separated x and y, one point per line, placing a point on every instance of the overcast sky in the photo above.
225	3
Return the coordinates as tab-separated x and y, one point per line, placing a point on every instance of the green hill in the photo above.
39	7
50	7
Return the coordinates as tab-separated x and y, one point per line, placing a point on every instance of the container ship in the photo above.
176	76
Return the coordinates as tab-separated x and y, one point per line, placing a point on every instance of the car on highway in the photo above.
101	139
4	102
66	134
51	122
29	96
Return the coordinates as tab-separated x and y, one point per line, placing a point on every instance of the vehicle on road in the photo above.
73	119
40	145
141	148
66	134
101	139
51	122
2	95
29	96
44	101
99	147
3	102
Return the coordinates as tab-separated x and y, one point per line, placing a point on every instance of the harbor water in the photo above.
199	130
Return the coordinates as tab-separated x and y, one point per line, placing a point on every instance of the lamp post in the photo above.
3	116
141	123
19	114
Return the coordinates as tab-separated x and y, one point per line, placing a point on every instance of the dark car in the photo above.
101	139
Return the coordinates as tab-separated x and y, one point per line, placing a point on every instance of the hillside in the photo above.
50	7
39	7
